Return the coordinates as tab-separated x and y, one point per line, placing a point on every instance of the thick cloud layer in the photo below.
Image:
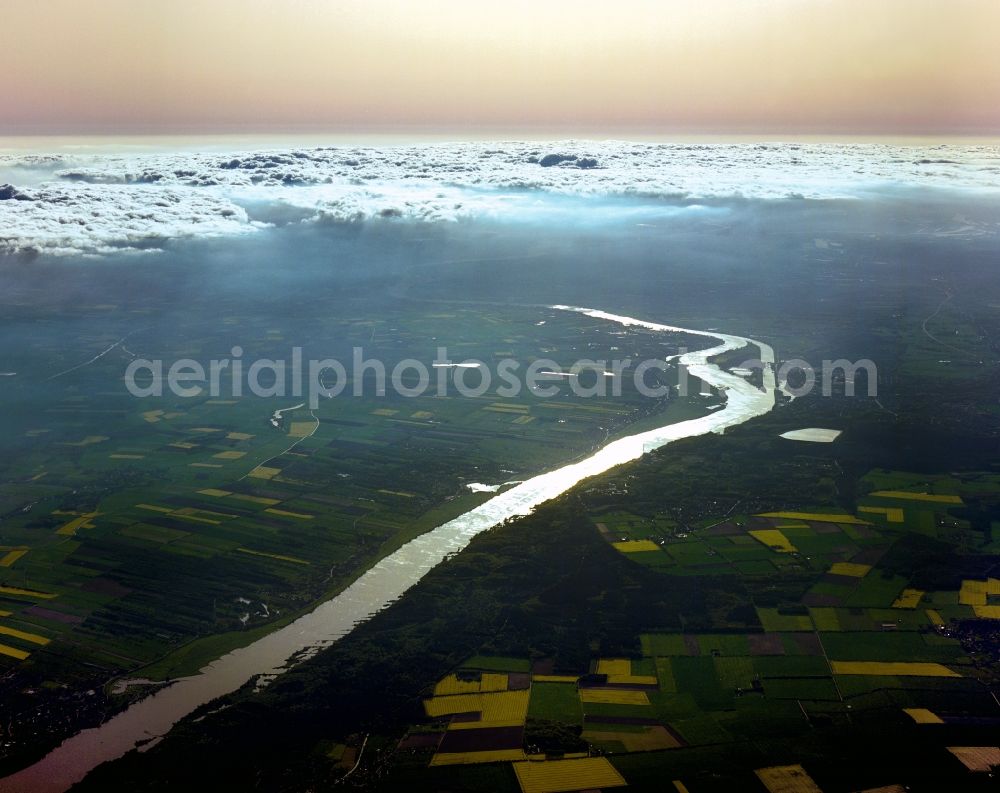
99	204
74	219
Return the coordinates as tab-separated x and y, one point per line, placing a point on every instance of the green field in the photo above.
555	702
166	531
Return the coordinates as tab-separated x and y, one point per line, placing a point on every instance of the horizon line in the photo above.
510	132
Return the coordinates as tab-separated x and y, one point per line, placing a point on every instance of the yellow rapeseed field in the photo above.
774	540
34	638
487	683
479	725
264	472
501	706
787	779
31	593
11	556
619	671
466	758
302	429
557	776
613	696
824	517
850	569
923	716
635	546
943	499
13	652
908	599
614	666
154	508
892	668
632	680
892	514
975	593
69	529
286	514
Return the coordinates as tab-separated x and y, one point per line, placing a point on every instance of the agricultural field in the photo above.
711	617
849	631
146	536
859	643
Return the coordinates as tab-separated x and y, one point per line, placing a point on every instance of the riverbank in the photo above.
388	579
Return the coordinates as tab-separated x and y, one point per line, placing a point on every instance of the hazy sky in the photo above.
894	66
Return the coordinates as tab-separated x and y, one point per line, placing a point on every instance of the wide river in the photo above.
376	589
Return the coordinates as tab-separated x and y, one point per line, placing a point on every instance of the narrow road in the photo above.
932	337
